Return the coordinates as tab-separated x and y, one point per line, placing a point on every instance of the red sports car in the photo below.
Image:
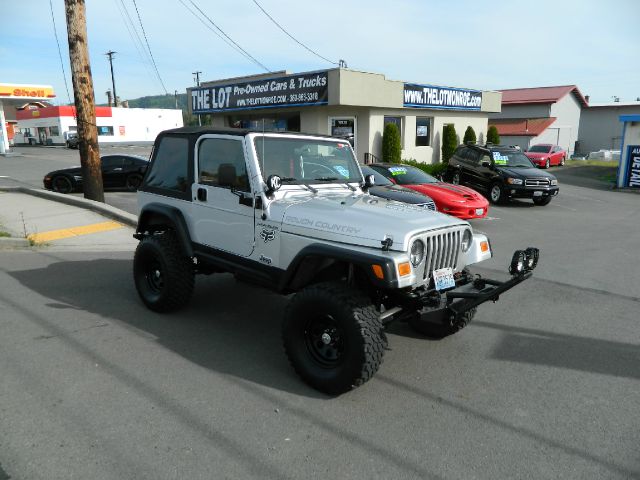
544	155
456	200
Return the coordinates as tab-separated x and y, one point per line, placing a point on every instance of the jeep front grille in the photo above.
442	249
537	182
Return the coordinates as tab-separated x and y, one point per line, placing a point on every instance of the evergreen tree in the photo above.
449	142
469	135
493	136
391	148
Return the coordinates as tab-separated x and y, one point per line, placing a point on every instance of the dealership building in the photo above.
350	104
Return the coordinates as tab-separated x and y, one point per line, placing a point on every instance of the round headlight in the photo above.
417	253
467	238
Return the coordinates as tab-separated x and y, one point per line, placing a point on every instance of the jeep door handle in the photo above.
202	194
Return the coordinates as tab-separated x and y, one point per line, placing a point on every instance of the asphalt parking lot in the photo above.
544	383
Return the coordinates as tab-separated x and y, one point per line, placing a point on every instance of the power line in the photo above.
135	36
238	47
341	62
150	54
55	32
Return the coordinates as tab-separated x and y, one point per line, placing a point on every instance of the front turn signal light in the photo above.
484	247
377	271
404	269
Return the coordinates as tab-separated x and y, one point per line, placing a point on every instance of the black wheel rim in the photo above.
133	182
61	185
154	277
325	341
456	179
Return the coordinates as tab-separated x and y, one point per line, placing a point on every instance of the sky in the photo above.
485	45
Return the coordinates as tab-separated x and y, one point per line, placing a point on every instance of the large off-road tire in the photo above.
163	274
333	337
541	201
438	331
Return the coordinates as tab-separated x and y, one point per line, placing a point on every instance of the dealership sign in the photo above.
429	96
633	170
289	91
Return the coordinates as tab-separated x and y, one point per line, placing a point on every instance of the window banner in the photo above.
429	96
292	90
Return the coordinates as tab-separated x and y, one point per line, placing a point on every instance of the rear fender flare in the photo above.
158	215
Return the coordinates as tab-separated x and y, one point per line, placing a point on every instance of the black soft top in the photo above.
241	132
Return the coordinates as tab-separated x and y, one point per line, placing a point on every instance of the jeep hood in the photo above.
356	219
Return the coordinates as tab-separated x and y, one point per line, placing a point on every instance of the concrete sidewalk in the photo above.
47	220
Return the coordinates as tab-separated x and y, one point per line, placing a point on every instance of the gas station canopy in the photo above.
16	95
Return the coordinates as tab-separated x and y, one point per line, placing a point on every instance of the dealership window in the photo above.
423	131
103	130
54	131
395	120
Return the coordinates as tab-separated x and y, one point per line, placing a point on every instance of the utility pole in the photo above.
84	100
110	54
196	78
175	95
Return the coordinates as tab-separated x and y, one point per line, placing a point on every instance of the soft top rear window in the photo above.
169	169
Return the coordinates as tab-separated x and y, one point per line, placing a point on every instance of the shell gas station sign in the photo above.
17	94
26	92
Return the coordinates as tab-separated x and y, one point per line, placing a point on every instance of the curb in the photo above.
11	242
98	207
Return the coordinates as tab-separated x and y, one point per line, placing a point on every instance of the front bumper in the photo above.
518	191
449	307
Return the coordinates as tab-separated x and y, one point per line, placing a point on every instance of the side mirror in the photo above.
274	182
369	181
227	175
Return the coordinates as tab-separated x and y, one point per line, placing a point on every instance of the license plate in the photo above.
537	194
443	278
479	211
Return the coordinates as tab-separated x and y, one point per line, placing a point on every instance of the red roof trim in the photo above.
62	111
525	127
519	96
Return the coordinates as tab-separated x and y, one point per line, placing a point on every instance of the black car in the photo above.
384	188
501	173
118	171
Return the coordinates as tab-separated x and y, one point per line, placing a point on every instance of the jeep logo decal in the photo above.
267	235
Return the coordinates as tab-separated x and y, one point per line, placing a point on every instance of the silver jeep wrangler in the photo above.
291	212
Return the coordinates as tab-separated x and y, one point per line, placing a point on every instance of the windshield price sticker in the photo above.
443	278
398	171
500	159
341	170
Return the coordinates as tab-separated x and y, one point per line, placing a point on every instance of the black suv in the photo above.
502	173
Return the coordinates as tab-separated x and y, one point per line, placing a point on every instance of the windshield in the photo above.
406	175
540	148
380	179
301	160
511	159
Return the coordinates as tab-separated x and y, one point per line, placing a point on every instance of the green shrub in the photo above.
391	148
449	142
469	135
493	136
433	169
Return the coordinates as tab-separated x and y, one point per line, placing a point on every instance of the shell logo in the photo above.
8	90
